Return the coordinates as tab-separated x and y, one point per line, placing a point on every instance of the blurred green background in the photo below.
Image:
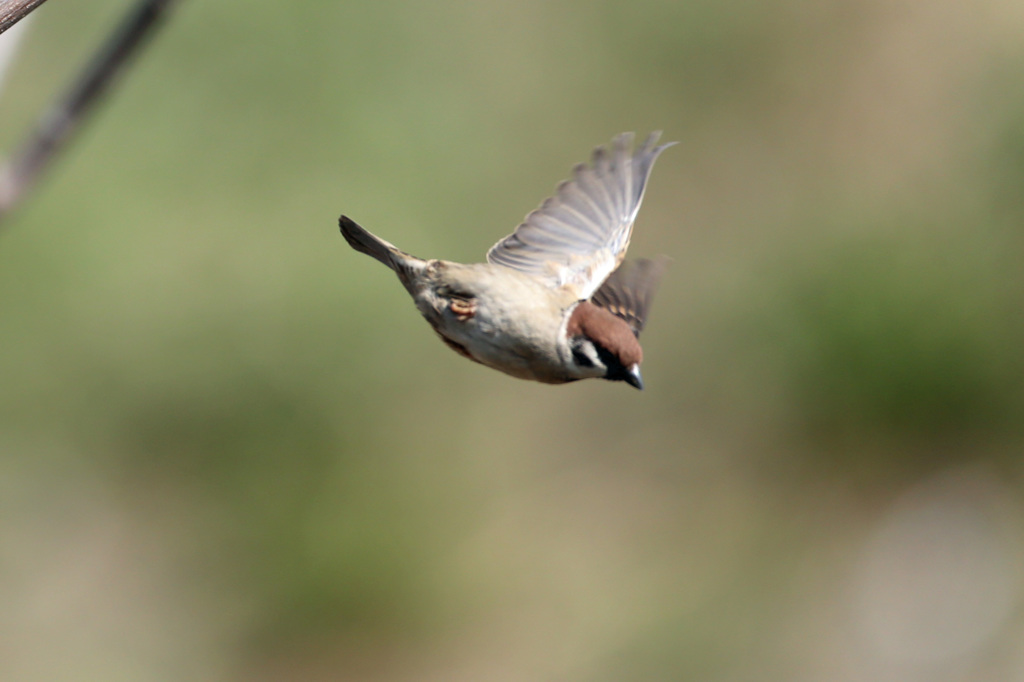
231	450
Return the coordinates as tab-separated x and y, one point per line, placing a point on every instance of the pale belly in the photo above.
513	324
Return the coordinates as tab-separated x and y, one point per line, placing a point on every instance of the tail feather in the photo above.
364	242
405	266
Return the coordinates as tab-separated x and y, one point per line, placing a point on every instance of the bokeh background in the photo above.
231	450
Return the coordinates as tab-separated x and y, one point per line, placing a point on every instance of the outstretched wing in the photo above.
627	293
580	235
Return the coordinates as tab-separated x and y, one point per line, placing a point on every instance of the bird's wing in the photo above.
627	293
579	236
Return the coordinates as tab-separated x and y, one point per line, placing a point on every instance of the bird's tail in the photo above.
404	265
364	242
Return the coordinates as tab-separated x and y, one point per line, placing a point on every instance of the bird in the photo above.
554	302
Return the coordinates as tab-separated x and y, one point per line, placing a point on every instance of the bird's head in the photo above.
604	345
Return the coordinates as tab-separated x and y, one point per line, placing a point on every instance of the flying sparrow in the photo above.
554	301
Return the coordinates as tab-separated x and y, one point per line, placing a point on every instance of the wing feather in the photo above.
627	293
579	236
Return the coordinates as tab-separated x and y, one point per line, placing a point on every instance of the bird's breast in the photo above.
500	318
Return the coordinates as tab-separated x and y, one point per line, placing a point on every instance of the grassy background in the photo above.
230	449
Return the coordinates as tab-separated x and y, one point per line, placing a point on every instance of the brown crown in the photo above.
606	330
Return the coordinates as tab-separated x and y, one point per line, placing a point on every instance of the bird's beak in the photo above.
633	377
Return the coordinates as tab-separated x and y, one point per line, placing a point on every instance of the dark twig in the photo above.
57	125
13	11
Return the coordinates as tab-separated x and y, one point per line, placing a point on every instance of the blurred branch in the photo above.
13	11
57	125
9	50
